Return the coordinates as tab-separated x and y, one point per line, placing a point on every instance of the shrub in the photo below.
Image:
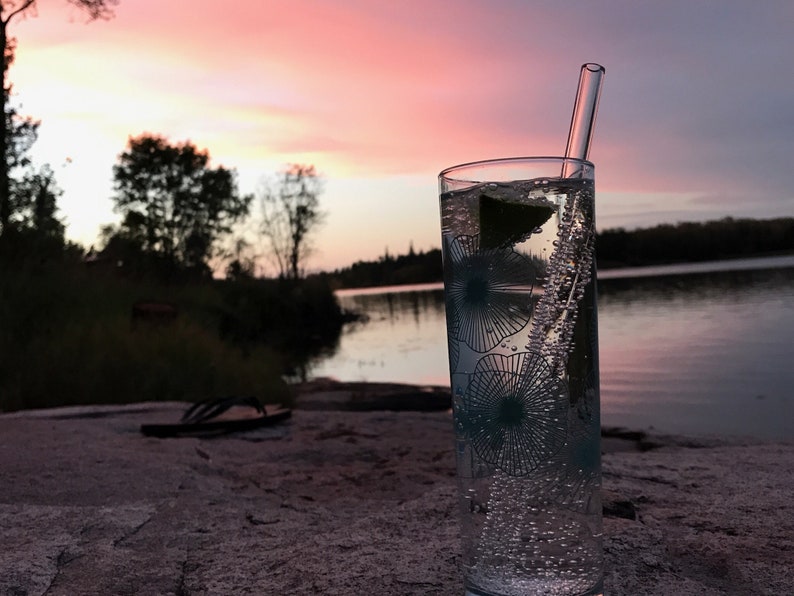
66	338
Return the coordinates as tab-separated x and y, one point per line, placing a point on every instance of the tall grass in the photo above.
66	337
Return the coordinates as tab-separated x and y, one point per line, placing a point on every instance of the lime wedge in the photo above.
503	223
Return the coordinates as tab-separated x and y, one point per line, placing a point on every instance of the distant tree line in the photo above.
412	268
668	243
695	241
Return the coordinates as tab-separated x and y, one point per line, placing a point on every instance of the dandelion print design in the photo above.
516	412
482	292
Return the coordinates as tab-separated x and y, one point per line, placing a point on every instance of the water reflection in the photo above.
403	338
699	353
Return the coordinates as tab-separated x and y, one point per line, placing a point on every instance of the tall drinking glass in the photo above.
519	280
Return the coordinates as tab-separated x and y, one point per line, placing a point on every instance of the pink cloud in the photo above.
383	87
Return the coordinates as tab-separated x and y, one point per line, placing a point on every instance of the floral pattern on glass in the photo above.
482	292
516	412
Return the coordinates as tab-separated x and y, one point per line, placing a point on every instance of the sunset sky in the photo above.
696	119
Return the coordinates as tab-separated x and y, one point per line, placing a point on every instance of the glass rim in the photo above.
445	173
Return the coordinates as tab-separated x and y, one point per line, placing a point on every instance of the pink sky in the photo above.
381	96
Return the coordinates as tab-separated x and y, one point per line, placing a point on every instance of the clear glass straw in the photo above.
580	135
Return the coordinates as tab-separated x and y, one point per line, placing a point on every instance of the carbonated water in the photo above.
521	324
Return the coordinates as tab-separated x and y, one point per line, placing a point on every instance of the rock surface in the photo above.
351	502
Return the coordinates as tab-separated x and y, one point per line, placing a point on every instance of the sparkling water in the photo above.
521	324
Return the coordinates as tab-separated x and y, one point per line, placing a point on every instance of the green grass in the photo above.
66	337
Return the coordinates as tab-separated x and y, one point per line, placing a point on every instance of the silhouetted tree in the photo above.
10	9
34	203
32	194
173	204
290	213
242	266
21	133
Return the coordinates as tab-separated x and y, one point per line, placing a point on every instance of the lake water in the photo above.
696	349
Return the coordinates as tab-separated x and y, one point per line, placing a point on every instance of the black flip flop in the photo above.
214	417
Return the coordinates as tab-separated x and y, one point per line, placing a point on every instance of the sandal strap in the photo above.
206	410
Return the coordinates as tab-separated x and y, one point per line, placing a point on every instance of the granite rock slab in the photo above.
351	502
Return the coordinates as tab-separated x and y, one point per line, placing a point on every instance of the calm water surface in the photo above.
695	349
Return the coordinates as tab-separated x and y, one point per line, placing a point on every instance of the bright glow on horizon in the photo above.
381	97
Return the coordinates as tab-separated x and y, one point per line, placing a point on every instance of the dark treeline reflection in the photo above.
716	285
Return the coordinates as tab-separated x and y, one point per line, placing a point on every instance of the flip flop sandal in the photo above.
220	416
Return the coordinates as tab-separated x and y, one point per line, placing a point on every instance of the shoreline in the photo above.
327	394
